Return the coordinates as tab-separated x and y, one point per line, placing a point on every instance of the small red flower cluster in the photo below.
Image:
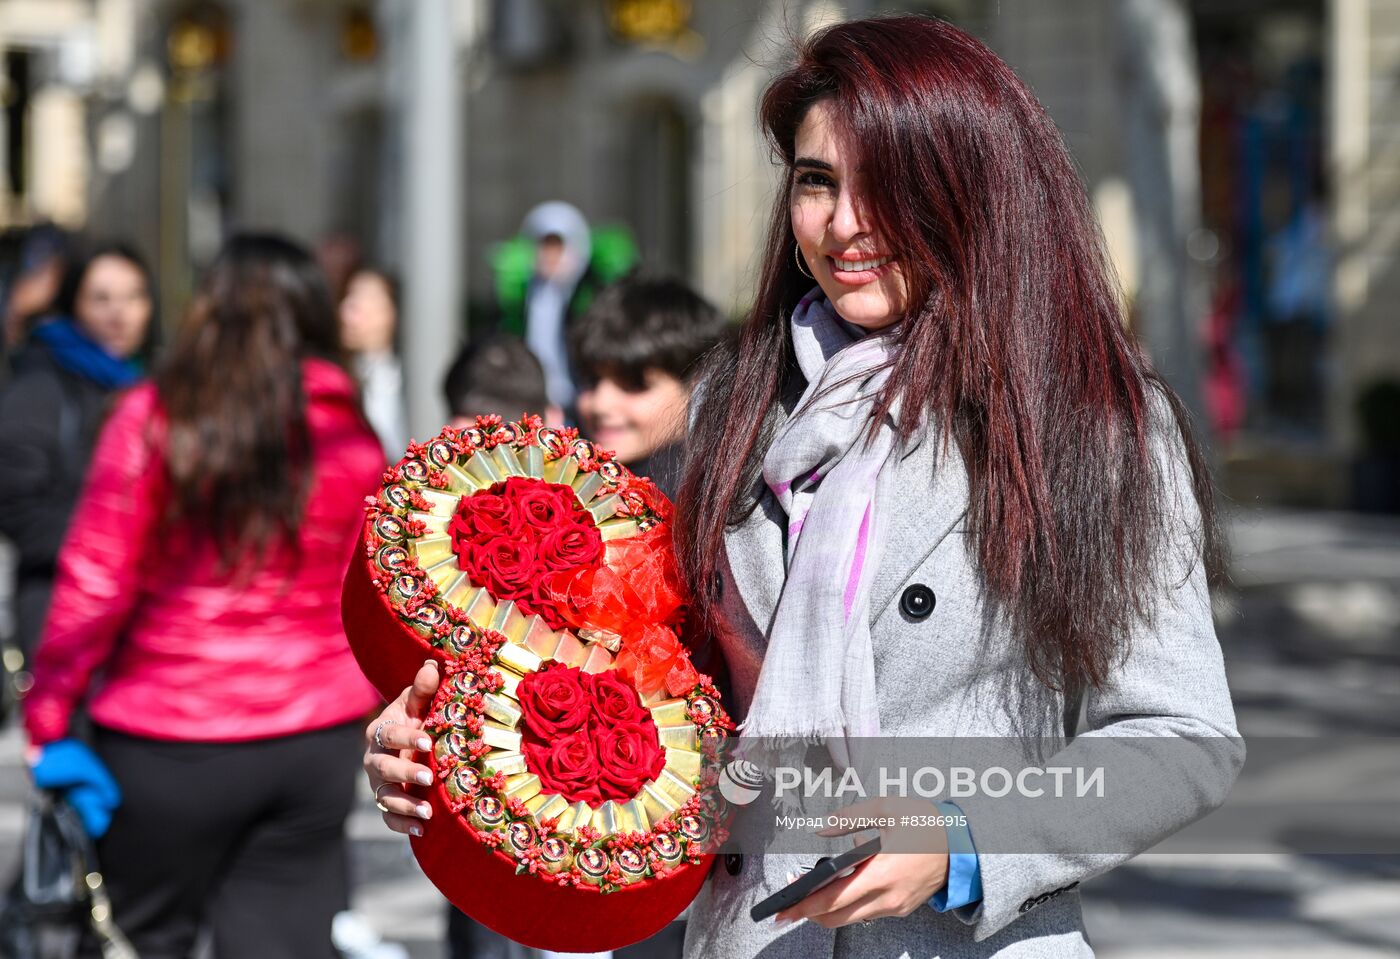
588	737
513	537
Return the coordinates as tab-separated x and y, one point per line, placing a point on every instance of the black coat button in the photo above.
918	601
733	863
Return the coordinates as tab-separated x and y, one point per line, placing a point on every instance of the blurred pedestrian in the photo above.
62	384
339	256
200	579
545	279
635	350
369	322
562	249
497	374
32	284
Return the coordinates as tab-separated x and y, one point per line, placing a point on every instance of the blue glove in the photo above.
73	769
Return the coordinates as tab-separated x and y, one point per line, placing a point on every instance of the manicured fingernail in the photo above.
425	778
780	922
424	744
415	830
424	811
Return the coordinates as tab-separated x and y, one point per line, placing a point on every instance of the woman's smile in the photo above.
857	269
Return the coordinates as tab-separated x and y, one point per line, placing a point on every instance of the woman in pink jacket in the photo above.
196	591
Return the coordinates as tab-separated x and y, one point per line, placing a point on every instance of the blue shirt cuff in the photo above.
964	885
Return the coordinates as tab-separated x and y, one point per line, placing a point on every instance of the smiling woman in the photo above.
934	490
849	260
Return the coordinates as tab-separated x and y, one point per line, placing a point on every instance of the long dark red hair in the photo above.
1012	345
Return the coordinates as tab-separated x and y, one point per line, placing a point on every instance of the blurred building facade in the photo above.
175	120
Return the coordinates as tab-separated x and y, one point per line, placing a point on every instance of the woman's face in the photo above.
367	314
113	306
853	265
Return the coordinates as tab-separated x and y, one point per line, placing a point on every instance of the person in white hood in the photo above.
563	248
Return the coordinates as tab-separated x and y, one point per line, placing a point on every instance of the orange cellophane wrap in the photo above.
636	594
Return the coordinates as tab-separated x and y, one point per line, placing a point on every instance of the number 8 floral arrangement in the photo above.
574	741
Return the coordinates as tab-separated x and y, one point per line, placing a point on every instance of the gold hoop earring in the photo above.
797	254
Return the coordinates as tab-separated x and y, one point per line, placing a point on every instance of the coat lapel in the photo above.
754	550
927	500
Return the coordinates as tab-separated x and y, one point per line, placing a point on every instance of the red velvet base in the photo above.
537	913
389	653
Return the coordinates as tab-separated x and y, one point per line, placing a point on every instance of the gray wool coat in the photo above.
950	675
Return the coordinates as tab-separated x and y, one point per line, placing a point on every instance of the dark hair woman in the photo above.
87	348
936	491
369	332
200	577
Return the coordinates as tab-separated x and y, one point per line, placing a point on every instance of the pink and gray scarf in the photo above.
817	682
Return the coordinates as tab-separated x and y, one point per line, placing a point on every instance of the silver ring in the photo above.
379	736
379	802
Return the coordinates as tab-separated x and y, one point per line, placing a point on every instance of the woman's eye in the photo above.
811	178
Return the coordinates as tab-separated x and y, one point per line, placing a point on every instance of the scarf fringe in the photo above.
814	732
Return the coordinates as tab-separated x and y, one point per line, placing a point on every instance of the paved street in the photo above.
1312	645
1312	642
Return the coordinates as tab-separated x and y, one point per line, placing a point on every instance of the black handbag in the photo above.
59	887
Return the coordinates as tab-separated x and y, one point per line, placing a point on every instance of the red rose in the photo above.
505	566
567	766
485	514
615	701
542	505
513	537
541	600
628	755
555	701
567	547
479	519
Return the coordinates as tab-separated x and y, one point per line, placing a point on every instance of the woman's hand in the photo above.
391	740
888	883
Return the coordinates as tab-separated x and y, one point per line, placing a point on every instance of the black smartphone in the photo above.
825	871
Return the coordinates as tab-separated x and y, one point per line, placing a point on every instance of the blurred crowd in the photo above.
182	494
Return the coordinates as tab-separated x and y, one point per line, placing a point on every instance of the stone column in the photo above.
430	107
